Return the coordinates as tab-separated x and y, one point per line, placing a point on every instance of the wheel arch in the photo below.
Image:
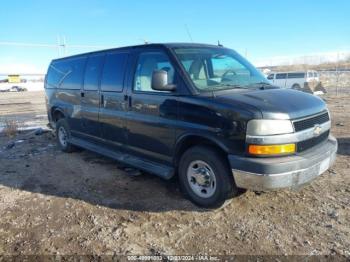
57	113
189	140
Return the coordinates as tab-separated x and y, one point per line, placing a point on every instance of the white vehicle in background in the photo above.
307	81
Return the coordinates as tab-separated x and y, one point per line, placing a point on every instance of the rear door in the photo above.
90	96
113	103
152	115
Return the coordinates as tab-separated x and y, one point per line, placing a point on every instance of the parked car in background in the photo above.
12	89
199	112
4	89
17	89
307	81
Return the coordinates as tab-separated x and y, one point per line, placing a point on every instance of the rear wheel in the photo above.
205	177
296	87
63	136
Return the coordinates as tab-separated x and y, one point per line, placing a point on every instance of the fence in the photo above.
336	82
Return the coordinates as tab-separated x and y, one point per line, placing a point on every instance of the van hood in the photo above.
275	103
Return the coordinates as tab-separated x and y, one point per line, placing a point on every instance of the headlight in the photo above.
262	127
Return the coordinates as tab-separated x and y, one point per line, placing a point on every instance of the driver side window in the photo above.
147	63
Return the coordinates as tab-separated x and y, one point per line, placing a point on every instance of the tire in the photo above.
296	87
205	177
63	136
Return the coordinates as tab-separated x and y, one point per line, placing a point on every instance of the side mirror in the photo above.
160	81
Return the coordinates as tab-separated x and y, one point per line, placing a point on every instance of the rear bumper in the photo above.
283	172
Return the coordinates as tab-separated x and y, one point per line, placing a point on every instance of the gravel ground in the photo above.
81	203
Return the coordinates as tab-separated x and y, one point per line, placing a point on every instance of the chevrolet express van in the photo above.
199	112
307	81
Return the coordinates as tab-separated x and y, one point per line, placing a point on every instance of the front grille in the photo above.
306	144
303	124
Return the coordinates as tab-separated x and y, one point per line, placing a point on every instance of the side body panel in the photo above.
222	124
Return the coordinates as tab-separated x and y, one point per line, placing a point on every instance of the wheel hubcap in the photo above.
62	136
201	178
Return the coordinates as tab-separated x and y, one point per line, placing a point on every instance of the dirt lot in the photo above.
82	203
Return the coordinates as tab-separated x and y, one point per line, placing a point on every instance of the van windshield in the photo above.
213	69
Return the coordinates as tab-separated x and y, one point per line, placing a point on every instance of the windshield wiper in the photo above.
226	87
261	85
230	86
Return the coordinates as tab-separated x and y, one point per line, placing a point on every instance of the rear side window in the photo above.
93	72
66	74
281	76
52	76
296	75
113	72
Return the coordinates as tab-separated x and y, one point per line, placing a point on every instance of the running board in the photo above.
157	169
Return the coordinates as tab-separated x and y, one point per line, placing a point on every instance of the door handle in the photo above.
102	100
128	98
130	101
82	94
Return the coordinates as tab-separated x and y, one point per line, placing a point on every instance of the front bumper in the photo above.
283	172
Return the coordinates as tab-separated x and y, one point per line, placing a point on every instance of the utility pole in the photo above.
337	73
60	45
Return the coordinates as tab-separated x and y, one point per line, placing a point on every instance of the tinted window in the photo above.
92	72
296	75
53	76
270	77
281	76
113	72
66	74
310	74
147	63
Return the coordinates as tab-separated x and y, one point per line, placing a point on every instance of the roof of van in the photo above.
286	72
170	45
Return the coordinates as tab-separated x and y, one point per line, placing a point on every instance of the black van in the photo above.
200	112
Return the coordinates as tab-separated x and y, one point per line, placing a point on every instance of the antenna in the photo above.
188	33
58	46
144	41
64	45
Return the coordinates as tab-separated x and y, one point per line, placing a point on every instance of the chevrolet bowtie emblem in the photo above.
317	130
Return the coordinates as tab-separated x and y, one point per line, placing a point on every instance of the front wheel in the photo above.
63	136
205	177
296	87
